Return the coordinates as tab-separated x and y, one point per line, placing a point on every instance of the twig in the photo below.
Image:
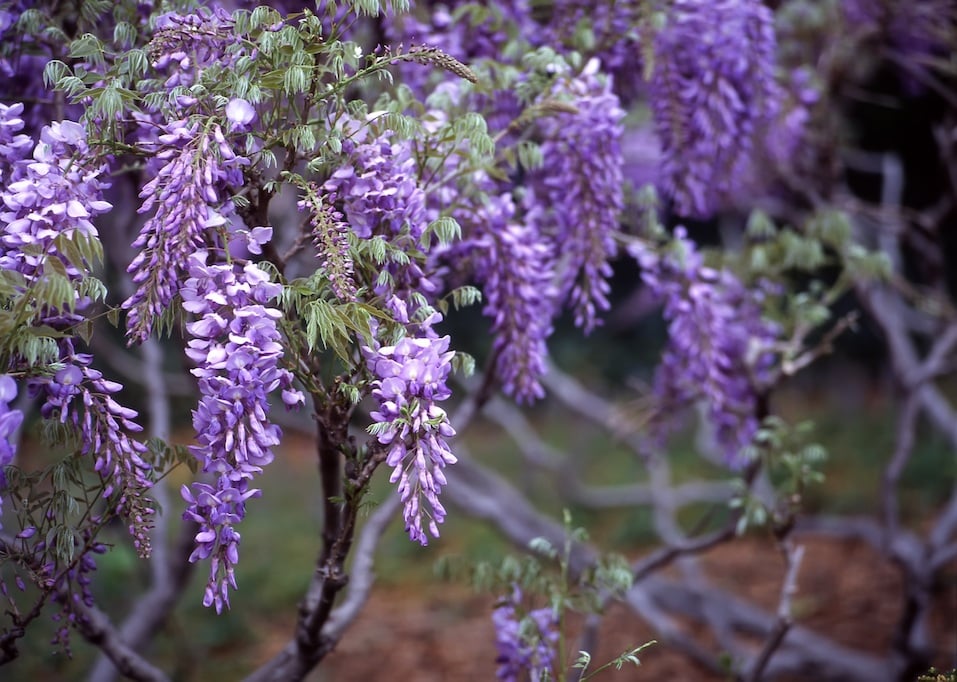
792	557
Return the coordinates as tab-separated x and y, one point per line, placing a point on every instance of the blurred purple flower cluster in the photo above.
189	195
236	346
720	347
184	44
526	646
514	264
10	420
578	194
410	380
712	93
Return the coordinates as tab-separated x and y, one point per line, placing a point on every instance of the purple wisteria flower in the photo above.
514	264
78	394
410	379
526	645
379	192
10	421
720	349
236	346
184	44
57	192
578	193
14	145
378	186
467	40
712	92
190	198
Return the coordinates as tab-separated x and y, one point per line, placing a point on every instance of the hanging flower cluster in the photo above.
712	92
410	380
104	426
55	193
526	646
579	193
189	195
10	420
236	347
514	264
720	347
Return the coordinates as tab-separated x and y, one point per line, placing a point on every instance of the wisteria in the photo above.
378	186
514	264
54	194
79	395
580	183
184	44
526	645
720	347
236	348
10	420
712	93
189	199
410	380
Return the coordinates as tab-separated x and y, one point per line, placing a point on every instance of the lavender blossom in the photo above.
580	183
514	264
410	378
379	192
189	197
236	346
10	421
57	192
720	348
14	145
77	394
526	645
712	92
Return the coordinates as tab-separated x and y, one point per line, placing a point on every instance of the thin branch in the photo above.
362	576
792	557
97	629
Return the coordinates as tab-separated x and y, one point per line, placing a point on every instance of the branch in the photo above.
96	628
792	558
362	576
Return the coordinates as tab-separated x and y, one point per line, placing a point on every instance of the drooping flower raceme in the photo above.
332	244
10	420
55	195
720	348
189	197
712	91
410	379
514	264
236	347
78	394
379	192
526	646
578	191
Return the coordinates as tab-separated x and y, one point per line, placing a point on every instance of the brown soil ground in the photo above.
444	632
